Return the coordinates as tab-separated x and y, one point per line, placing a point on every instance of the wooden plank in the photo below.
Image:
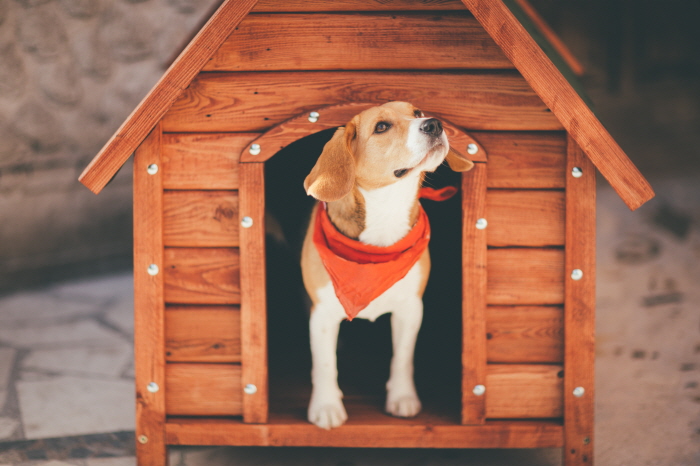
200	218
570	109
525	160
201	276
524	391
148	303
355	5
525	218
253	292
203	390
299	126
298	433
202	161
157	102
525	334
219	102
579	323
275	42
203	334
525	276
473	294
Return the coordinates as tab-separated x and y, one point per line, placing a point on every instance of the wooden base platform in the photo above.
367	427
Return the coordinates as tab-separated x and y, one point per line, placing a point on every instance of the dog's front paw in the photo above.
327	415
407	405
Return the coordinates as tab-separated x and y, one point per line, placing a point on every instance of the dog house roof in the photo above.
533	50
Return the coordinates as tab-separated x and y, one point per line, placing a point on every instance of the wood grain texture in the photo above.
275	42
332	116
522	391
525	218
525	334
202	161
377	434
253	292
221	102
200	218
157	102
474	279
149	338
525	276
355	5
202	276
203	390
203	334
579	323
525	160
556	92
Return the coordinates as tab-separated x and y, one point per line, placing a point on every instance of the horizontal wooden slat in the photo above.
202	275
202	161
203	334
521	391
525	160
237	102
525	218
406	432
525	334
200	218
203	390
269	42
356	5
525	276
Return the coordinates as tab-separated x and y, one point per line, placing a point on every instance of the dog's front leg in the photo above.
401	398
326	408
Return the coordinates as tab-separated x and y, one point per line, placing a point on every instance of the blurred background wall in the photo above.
72	70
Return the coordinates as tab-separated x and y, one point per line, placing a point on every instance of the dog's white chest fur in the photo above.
388	212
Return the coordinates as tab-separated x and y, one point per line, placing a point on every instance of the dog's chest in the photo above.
388	212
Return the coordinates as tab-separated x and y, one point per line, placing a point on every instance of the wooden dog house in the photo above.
260	75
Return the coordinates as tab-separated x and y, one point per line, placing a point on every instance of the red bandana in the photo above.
362	272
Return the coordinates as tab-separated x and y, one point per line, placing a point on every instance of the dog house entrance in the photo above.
364	349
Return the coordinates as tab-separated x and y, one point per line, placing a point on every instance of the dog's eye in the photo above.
381	127
400	173
417	113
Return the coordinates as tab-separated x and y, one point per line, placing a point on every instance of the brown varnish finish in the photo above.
203	390
202	275
524	391
525	334
286	42
525	276
200	218
275	6
217	102
525	218
203	334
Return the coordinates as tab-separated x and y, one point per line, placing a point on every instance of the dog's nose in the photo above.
431	127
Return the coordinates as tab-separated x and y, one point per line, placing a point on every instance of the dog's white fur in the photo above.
389	207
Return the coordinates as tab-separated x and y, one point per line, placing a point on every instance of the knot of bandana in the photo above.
362	272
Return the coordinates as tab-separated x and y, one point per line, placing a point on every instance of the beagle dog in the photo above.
368	179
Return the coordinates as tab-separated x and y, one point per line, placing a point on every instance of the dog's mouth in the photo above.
434	151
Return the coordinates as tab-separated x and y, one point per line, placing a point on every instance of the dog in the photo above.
367	180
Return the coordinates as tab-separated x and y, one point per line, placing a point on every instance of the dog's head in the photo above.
378	147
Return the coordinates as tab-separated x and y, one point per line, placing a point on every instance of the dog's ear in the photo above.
458	162
333	176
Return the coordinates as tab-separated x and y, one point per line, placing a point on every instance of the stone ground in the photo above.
66	374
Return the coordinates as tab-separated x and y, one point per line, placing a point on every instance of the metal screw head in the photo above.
152	387
313	117
143	439
250	389
579	391
479	390
152	269
481	224
576	172
254	149
152	169
577	274
246	222
472	149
